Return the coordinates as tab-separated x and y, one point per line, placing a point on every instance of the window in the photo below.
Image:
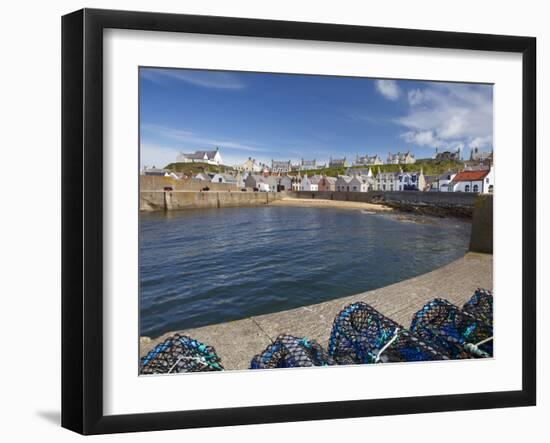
491	189
476	188
487	180
467	188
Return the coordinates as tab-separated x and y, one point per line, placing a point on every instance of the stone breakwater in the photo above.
238	341
174	200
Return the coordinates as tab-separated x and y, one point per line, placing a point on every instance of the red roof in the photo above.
469	176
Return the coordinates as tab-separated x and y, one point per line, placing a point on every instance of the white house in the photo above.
480	181
296	182
310	183
360	183
342	183
387	181
209	157
444	180
261	183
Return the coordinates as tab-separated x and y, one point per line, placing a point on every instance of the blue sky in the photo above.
285	116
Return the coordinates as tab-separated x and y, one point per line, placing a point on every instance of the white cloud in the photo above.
421	138
449	115
388	88
206	79
415	96
481	142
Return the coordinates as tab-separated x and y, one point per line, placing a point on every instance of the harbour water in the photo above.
201	267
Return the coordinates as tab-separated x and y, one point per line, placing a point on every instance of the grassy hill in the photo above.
195	168
429	166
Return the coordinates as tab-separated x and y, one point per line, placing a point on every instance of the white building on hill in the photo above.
338	163
401	158
368	160
250	166
282	166
209	157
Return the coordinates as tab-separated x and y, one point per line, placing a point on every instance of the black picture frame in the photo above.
82	218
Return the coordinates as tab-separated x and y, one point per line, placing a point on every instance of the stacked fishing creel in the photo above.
360	334
455	332
180	353
481	305
288	351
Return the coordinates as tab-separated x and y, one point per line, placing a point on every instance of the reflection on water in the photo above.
210	266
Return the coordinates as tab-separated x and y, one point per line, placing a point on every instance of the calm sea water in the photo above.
210	266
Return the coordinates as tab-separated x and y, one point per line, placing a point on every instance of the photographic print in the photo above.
291	221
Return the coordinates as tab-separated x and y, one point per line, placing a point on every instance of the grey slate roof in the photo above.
198	155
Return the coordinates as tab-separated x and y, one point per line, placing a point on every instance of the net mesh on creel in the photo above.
481	305
288	351
180	353
455	332
360	334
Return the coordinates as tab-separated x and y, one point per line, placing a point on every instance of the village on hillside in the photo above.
445	172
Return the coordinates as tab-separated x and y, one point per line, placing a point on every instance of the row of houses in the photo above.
477	180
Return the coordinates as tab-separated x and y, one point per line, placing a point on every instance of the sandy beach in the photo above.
320	203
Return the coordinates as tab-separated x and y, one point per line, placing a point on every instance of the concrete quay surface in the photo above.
238	341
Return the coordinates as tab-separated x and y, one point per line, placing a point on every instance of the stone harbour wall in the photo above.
174	200
457	204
